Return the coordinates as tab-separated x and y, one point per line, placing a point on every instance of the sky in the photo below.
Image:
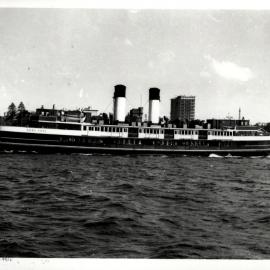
73	58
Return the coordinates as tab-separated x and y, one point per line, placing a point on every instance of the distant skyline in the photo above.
73	58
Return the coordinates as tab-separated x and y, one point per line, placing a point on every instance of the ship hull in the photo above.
44	143
49	148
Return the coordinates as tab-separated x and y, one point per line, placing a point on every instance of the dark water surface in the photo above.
134	206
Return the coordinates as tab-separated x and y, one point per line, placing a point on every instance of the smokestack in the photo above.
119	104
154	100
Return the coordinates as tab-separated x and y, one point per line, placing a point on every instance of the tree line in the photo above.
13	110
16	115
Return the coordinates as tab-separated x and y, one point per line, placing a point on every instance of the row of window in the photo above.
161	131
141	130
151	131
107	129
249	133
186	132
233	133
221	133
119	129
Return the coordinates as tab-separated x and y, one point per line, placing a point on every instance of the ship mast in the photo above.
239	114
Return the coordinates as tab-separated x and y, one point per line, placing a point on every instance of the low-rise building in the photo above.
227	123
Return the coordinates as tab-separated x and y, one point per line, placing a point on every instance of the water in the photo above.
106	206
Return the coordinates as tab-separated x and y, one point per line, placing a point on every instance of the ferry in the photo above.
60	134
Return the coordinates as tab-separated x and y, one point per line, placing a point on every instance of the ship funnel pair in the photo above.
119	108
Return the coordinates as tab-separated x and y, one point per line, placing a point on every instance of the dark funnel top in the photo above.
154	94
119	91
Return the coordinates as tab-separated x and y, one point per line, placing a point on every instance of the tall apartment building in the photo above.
183	108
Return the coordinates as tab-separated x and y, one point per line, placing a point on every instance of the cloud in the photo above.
3	91
230	70
81	93
205	74
128	42
166	57
213	18
134	11
150	64
162	60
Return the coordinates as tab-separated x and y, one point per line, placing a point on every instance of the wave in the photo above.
265	219
164	208
16	249
106	226
125	186
232	156
8	151
227	156
215	156
182	250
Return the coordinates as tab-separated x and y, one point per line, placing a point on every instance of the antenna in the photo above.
108	106
239	114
